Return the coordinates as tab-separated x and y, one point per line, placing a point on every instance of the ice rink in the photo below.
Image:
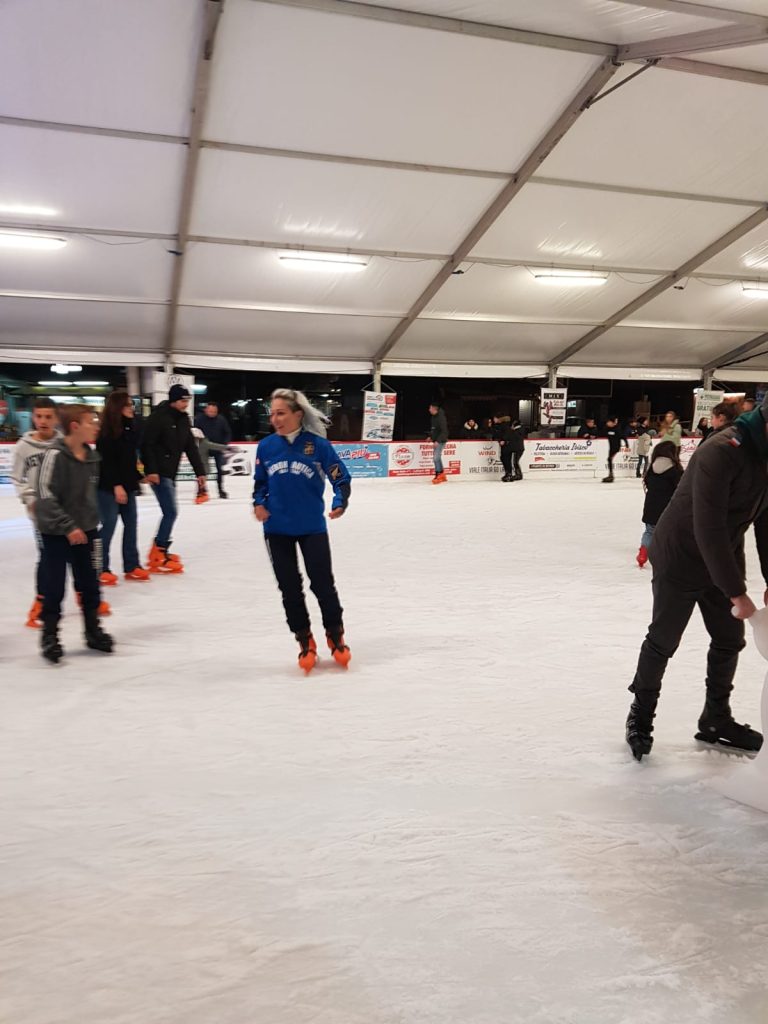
452	832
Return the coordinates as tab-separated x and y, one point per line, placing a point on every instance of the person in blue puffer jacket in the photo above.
292	466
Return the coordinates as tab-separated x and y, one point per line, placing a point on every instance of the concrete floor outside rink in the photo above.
453	832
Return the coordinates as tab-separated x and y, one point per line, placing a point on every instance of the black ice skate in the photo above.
95	637
639	730
723	732
50	646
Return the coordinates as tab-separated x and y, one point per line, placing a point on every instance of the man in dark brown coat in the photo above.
698	558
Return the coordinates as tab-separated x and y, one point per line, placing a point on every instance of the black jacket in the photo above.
215	428
517	440
699	540
119	456
586	431
615	439
167	436
659	488
439	427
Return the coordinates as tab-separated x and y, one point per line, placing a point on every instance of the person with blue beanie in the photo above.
292	466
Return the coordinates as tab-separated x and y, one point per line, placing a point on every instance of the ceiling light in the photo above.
27	210
199	389
55	383
66	368
575	278
755	289
324	261
10	240
91	383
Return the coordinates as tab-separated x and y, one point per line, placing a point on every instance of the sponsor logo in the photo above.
404	456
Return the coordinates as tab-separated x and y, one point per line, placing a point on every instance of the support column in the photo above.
377	377
552	382
706	379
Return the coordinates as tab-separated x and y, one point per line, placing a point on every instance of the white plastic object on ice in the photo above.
749	782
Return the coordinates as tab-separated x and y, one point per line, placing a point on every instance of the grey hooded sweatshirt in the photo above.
27	456
67	491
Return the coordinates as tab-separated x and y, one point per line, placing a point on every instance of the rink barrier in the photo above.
544	458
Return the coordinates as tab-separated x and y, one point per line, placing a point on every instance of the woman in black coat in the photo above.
660	481
119	477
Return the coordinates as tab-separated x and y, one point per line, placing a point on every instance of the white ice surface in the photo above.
452	832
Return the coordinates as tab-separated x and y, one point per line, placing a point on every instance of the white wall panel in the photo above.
299	79
474	342
279	199
747	256
91	181
584	19
673	131
718	306
267	333
93	326
512	293
221	274
605	228
109	63
106	267
654	346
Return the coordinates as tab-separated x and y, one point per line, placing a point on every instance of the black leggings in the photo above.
316	552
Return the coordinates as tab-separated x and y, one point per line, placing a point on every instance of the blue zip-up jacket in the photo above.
289	482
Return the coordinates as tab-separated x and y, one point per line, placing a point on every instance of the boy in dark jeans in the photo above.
615	442
68	518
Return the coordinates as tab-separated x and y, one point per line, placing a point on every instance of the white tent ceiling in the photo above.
185	148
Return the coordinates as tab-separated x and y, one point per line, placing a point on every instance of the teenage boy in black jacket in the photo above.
168	436
615	441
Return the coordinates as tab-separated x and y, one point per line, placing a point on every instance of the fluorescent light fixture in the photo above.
66	368
55	383
27	210
755	289
329	261
91	383
569	278
15	240
199	389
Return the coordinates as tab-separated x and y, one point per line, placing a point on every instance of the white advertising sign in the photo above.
705	403
414	458
554	403
379	416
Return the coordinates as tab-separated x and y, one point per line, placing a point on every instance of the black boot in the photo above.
95	637
506	478
223	493
50	646
639	731
607	479
717	726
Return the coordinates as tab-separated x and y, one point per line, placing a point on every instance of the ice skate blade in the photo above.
724	748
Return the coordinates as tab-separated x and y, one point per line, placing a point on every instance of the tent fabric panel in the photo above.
379	90
747	256
268	333
513	293
715	306
582	19
656	346
108	63
672	131
308	202
90	180
97	327
552	224
227	275
91	266
477	341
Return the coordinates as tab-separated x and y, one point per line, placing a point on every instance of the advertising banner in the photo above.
480	459
379	416
364	459
705	403
564	455
554	403
414	458
6	462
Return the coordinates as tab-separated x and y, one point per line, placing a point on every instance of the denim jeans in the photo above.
645	540
109	510
165	492
438	456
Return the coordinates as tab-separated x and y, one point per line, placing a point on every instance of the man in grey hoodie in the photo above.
68	518
27	457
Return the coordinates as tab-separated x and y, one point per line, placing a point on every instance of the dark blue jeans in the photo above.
109	510
165	492
59	553
437	455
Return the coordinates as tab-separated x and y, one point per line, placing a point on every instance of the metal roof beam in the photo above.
695	42
758	217
538	154
707	70
212	10
736	353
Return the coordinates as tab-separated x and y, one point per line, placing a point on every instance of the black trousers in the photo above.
672	610
316	552
516	471
506	459
85	561
611	457
218	458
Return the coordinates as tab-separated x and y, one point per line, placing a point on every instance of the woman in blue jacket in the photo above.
291	469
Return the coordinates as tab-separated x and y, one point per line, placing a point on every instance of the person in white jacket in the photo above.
27	457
